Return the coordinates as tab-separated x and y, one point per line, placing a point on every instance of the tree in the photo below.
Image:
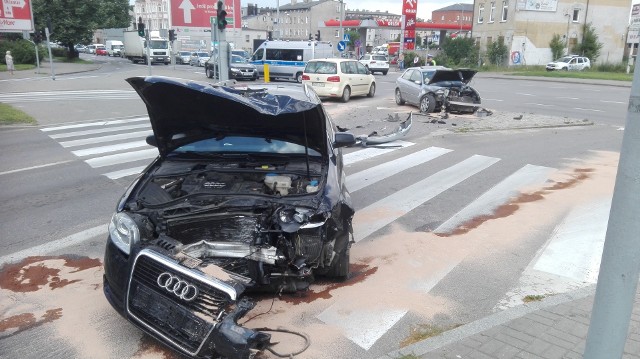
353	37
589	47
458	52
75	21
497	52
418	40
557	46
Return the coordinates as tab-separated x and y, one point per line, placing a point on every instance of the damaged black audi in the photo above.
247	195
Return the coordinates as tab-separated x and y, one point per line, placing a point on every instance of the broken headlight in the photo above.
123	231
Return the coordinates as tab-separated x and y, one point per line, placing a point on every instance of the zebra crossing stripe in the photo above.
119	158
99	130
390	208
378	173
370	152
102	139
500	194
125	172
110	148
93	124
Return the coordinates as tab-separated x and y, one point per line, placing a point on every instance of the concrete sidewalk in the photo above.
60	69
553	328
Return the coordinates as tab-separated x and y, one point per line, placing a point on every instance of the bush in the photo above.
609	67
23	51
408	59
59	52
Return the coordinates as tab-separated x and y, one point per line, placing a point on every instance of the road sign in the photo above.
341	46
16	16
346	38
197	13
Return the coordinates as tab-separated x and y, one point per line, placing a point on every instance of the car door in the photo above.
364	78
414	87
403	84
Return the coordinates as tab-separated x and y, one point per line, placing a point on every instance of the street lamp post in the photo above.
341	17
566	39
278	18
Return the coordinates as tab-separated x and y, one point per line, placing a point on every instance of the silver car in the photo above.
432	88
183	57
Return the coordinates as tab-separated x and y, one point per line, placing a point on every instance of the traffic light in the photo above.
140	27
172	35
222	22
37	37
318	35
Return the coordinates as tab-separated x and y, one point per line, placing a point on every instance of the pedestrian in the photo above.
416	60
401	61
430	60
9	60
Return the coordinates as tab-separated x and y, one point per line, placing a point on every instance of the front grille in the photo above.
184	323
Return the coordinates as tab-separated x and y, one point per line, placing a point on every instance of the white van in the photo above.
287	59
114	47
91	49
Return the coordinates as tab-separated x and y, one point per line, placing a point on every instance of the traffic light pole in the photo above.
146	37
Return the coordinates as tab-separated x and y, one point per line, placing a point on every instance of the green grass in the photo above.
591	75
409	356
533	298
19	67
12	116
424	331
75	60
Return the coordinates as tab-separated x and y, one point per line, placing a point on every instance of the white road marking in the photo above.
362	326
525	94
89	141
570	98
539	104
376	174
125	172
492	99
119	158
56	245
370	152
94	124
498	195
110	148
100	130
390	208
587	109
618	102
35	167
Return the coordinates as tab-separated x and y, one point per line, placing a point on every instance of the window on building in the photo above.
576	15
337	34
492	12
481	14
246	38
505	9
442	17
489	41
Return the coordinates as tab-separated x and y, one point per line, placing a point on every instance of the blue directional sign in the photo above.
341	46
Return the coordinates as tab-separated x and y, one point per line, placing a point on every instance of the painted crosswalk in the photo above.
117	149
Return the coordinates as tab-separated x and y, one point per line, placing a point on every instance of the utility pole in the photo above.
618	277
341	34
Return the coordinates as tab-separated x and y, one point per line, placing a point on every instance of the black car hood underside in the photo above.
183	111
464	75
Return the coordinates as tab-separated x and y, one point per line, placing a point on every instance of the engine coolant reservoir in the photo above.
312	186
279	184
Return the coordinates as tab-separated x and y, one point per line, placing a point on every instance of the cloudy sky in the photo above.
425	7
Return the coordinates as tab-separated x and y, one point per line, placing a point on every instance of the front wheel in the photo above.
399	99
372	90
427	103
299	77
346	94
208	72
384	73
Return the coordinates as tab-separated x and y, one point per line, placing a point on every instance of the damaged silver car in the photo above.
247	195
437	88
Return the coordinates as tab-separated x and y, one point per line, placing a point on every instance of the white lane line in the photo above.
500	194
110	148
587	109
392	207
492	99
125	172
539	104
93	124
618	102
101	139
370	152
569	98
120	158
378	173
35	167
56	245
362	326
100	130
525	94
575	250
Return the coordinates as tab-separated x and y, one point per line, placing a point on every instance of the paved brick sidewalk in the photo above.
554	328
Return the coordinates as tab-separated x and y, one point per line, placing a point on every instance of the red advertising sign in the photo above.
198	13
409	10
15	16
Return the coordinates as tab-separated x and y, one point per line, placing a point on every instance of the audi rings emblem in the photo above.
182	289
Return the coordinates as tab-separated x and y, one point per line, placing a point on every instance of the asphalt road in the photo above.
58	200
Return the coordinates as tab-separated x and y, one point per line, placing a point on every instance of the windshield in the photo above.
158	44
427	76
243	145
564	59
185	53
235	59
321	67
116	46
203	54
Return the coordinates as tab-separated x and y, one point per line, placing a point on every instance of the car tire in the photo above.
208	72
340	267
427	103
372	90
384	73
299	77
346	94
565	69
398	97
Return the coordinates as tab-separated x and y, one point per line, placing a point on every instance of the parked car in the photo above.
198	58
80	48
183	57
246	195
432	88
571	62
239	69
101	51
341	78
375	63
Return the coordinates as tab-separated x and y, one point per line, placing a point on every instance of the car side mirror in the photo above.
344	139
151	141
418	82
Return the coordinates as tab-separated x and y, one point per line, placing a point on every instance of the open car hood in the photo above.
183	111
464	75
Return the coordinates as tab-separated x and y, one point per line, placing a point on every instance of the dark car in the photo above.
239	69
247	195
431	88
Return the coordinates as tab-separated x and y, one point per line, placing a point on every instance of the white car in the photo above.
571	62
339	78
375	63
198	58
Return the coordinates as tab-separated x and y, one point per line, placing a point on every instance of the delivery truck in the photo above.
135	48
